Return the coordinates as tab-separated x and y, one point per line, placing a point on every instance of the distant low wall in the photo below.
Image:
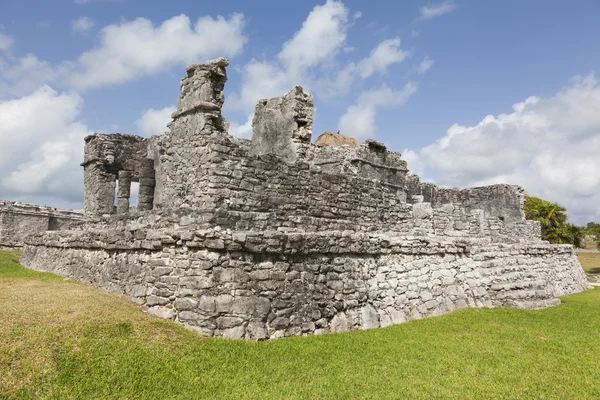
259	285
17	220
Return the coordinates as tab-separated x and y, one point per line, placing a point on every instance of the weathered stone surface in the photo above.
17	220
335	139
278	237
281	124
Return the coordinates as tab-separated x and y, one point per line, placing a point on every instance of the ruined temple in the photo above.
277	236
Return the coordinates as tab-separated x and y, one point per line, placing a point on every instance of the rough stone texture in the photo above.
202	88
18	220
335	139
106	159
282	124
272	284
277	237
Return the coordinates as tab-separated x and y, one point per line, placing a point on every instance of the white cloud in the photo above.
385	54
6	42
549	146
42	146
359	119
154	122
127	51
425	65
436	10
310	59
321	37
21	76
415	164
82	25
242	131
137	48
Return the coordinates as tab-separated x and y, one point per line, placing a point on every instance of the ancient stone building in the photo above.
277	236
18	220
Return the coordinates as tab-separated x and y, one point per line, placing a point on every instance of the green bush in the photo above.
553	217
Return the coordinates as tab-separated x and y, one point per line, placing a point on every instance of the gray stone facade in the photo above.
276	236
17	220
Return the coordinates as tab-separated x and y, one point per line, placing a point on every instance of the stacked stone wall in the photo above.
17	220
258	285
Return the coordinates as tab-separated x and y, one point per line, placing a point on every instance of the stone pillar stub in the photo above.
202	88
124	191
282	123
147	184
99	190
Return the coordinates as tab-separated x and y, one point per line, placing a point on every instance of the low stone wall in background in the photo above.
17	220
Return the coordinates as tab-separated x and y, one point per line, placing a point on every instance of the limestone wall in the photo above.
109	158
17	220
258	285
505	201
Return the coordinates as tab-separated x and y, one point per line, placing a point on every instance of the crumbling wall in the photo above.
281	125
501	201
112	157
259	285
191	150
17	220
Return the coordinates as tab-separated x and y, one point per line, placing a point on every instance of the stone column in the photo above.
147	183
99	189
282	125
124	191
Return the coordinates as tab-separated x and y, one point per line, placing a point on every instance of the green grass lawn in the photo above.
63	340
590	262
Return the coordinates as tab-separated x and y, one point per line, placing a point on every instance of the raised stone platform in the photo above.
258	285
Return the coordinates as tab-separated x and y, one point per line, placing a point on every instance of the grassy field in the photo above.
62	340
590	262
590	245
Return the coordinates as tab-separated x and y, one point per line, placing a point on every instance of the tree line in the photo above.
555	226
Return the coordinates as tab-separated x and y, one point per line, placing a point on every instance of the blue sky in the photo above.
436	80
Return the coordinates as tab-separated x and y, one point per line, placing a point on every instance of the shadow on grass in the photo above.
594	270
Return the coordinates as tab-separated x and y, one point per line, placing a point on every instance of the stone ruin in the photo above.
17	220
277	236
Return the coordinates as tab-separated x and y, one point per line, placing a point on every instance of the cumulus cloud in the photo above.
6	42
436	10
21	76
549	146
415	164
310	59
243	131
385	54
127	51
425	65
82	25
137	48
42	146
154	122
320	37
359	119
